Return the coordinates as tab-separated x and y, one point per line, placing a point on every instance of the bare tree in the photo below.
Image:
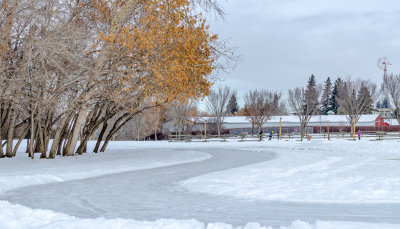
391	87
68	69
260	106
305	102
182	116
217	102
355	98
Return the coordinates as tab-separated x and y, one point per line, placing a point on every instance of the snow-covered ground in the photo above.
315	171
19	217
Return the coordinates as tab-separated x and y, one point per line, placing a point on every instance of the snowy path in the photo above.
155	193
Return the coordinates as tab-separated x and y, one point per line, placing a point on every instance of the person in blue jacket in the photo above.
270	135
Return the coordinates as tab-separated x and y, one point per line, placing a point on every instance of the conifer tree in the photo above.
326	96
385	103
310	93
333	104
378	105
311	82
232	107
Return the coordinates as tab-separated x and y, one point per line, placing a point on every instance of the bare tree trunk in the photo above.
1	132
303	130
57	137
107	140
67	134
352	128
101	135
93	121
20	140
72	141
60	146
40	138
64	145
83	145
1	145
117	125
10	134
31	141
27	146
47	130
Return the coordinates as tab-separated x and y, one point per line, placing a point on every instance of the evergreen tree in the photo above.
385	103
333	103
311	94
232	108
311	82
378	105
326	96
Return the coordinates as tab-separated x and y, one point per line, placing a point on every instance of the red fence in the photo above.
323	129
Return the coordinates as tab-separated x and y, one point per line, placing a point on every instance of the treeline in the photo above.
350	97
70	70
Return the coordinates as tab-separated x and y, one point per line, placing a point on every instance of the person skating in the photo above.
270	135
359	135
260	134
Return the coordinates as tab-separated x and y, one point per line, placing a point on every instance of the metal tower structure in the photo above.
383	64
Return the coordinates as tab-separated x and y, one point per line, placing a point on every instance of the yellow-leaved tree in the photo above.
166	54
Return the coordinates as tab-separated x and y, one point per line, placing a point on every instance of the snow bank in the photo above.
315	171
19	217
342	225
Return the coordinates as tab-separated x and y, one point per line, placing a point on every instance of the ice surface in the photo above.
21	171
297	169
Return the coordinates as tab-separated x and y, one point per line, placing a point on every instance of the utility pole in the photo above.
205	130
280	128
329	137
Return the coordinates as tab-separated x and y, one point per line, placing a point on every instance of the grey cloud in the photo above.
283	42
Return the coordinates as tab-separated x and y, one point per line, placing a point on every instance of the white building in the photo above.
317	124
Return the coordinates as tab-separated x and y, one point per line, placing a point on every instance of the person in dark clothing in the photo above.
260	134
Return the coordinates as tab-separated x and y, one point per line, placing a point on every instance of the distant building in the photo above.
386	113
290	124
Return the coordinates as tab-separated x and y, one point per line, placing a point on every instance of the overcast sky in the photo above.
283	42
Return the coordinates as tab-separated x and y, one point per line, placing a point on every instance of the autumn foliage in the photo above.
71	70
166	53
